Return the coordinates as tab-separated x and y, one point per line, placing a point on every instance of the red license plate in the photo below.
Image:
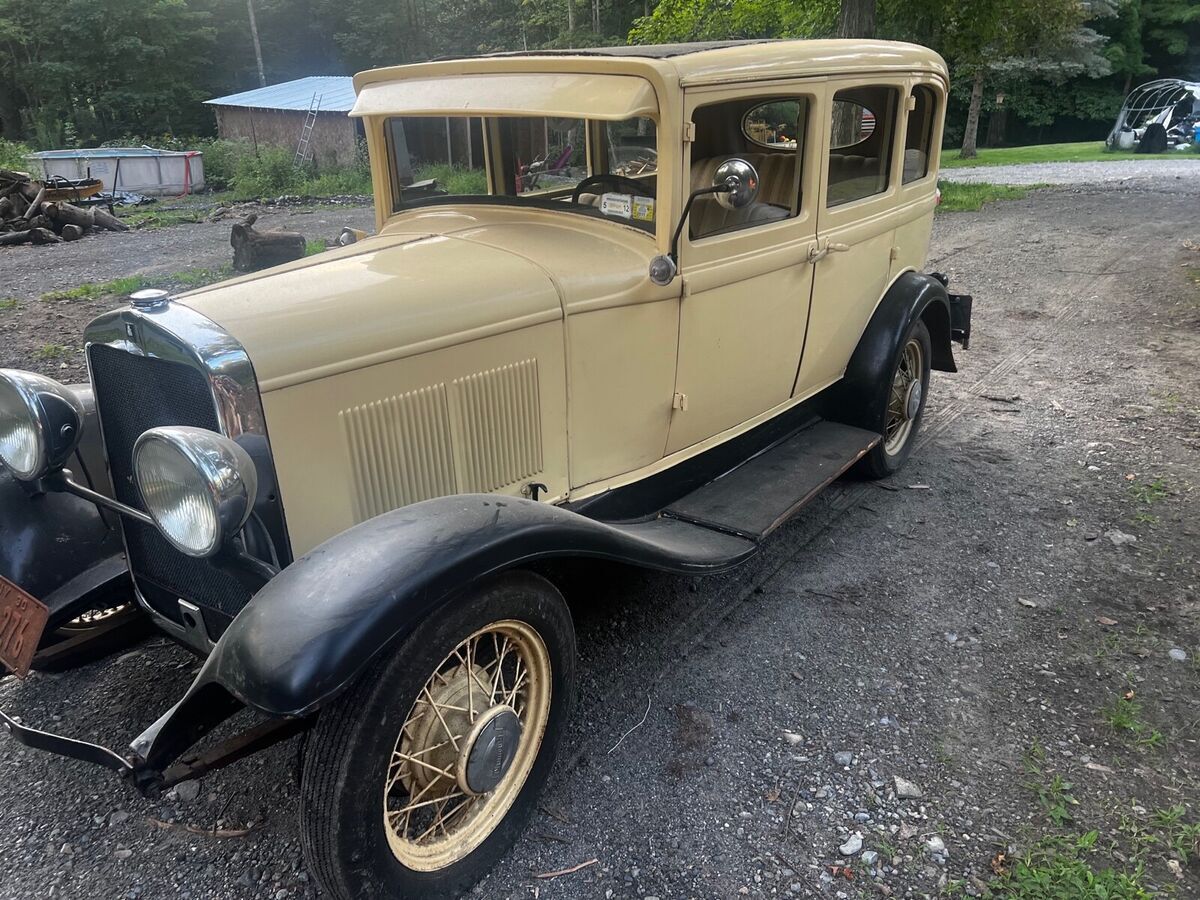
22	620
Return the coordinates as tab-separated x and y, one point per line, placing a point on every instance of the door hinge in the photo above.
689	132
895	254
679	402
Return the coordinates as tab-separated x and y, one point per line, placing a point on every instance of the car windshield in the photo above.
605	169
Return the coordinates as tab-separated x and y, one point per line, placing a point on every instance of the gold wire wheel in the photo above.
467	746
904	402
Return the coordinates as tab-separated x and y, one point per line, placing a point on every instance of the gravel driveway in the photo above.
1153	173
913	677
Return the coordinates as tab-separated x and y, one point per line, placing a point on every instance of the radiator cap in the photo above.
151	298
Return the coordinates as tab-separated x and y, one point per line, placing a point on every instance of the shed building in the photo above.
274	116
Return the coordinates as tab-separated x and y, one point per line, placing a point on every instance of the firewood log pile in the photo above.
27	217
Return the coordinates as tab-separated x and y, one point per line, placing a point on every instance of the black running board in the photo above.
762	493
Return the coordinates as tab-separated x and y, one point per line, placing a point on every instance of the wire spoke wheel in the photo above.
904	399
467	746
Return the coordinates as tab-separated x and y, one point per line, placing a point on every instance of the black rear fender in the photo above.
857	398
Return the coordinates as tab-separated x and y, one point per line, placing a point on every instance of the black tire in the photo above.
883	460
347	754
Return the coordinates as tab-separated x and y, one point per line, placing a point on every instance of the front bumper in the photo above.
159	766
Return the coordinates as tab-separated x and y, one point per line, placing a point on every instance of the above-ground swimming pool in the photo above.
142	170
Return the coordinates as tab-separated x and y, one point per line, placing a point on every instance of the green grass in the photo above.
1124	716
1084	151
958	197
1062	869
8	303
122	287
454	179
1149	492
52	351
312	248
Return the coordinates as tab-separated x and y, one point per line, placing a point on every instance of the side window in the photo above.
919	139
768	134
862	132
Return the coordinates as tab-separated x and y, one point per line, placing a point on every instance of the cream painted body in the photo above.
486	348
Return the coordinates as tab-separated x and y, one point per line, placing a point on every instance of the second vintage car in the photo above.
684	295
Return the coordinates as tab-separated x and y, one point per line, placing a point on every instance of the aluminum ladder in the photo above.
304	148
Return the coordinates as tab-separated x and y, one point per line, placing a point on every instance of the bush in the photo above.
12	155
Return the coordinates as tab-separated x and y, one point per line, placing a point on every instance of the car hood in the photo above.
387	297
434	279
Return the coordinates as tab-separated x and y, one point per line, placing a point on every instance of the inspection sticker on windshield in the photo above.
643	209
619	205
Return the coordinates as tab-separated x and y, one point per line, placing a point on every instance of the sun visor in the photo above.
605	97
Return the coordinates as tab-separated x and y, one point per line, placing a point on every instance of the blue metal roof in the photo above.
336	92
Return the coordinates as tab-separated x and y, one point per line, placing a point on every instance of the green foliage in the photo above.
12	155
454	179
8	303
1060	869
1149	492
271	172
699	20
958	197
1124	715
312	248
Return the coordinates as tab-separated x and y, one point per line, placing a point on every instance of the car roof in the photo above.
710	62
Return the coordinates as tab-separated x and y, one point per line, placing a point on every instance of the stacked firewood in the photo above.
27	217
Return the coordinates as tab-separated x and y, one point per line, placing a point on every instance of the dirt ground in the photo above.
46	335
1009	628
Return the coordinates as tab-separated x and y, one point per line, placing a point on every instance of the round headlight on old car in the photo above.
40	421
198	486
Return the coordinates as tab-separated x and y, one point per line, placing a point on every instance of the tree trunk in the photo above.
262	77
254	250
106	220
856	19
997	126
15	237
69	214
570	15
596	16
971	132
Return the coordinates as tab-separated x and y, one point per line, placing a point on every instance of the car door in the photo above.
856	222
746	276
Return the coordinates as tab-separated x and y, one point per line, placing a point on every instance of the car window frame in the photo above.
871	203
933	162
715	248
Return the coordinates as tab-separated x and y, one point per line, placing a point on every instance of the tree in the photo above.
977	36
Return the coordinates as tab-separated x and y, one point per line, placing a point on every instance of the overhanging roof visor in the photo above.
583	96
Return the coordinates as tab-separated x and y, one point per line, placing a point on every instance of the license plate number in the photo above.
22	620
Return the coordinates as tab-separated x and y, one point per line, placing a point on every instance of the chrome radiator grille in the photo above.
134	393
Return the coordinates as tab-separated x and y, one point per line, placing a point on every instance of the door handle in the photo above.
817	253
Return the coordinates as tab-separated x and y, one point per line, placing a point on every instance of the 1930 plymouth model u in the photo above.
688	299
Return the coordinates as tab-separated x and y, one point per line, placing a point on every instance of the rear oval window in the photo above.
853	123
773	124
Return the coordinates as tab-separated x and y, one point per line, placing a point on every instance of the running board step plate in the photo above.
765	491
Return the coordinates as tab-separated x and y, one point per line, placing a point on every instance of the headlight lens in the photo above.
40	422
197	485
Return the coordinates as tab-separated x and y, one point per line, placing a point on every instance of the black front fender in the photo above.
316	625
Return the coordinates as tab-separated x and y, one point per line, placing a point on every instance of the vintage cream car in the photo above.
686	296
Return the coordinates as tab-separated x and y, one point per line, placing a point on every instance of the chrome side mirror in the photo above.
741	179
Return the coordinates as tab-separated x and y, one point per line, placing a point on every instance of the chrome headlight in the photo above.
198	486
40	422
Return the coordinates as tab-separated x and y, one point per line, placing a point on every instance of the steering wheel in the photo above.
619	182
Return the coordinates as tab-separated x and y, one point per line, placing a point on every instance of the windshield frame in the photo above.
495	134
